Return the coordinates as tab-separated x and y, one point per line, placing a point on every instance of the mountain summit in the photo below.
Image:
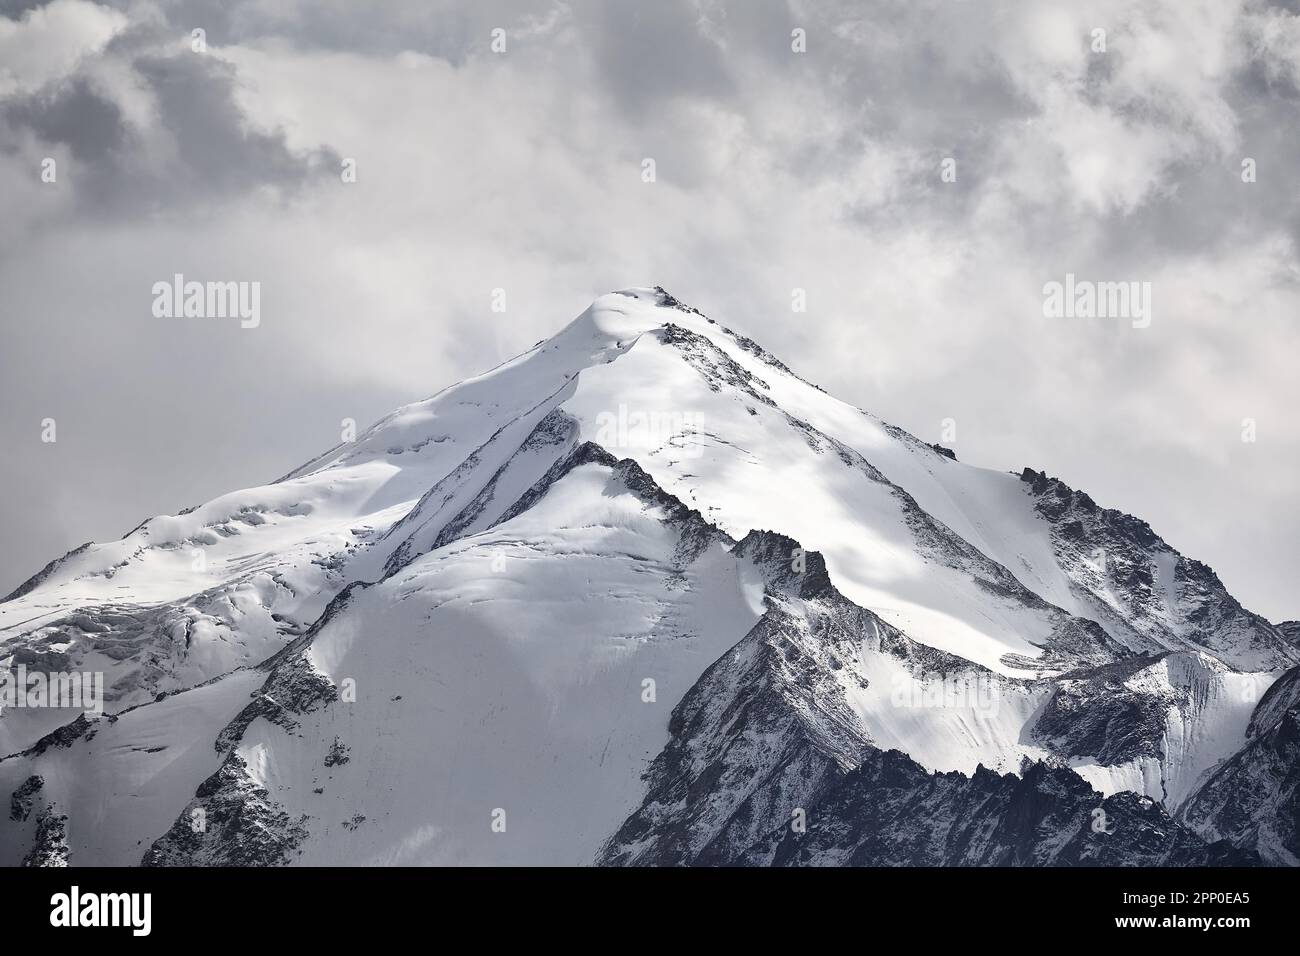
642	595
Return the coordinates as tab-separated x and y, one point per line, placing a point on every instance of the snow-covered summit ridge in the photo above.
993	567
645	493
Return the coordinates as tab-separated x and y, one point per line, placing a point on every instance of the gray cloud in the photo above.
193	147
649	54
75	115
216	152
13	9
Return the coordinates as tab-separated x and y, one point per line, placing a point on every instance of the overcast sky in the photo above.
775	170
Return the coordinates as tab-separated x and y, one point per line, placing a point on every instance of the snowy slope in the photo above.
457	614
118	779
481	684
184	598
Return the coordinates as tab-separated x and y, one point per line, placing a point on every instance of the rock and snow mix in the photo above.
643	595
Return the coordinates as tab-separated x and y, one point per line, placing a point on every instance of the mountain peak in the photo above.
617	318
644	496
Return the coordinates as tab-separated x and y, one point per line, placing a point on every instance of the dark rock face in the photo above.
668	301
50	845
22	799
946	452
1282	697
786	566
736	764
63	736
1093	714
338	754
1147	596
1253	798
890	812
717	368
231	822
293	688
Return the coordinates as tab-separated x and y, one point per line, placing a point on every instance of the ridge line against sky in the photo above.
775	171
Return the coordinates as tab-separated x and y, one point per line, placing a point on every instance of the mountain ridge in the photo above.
642	450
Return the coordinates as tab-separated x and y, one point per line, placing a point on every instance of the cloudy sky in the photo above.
775	170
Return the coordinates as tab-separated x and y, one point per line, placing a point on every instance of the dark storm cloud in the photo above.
217	151
13	9
202	149
74	114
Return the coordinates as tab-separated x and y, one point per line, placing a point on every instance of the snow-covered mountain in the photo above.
642	595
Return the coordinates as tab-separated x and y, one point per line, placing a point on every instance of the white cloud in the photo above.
47	42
